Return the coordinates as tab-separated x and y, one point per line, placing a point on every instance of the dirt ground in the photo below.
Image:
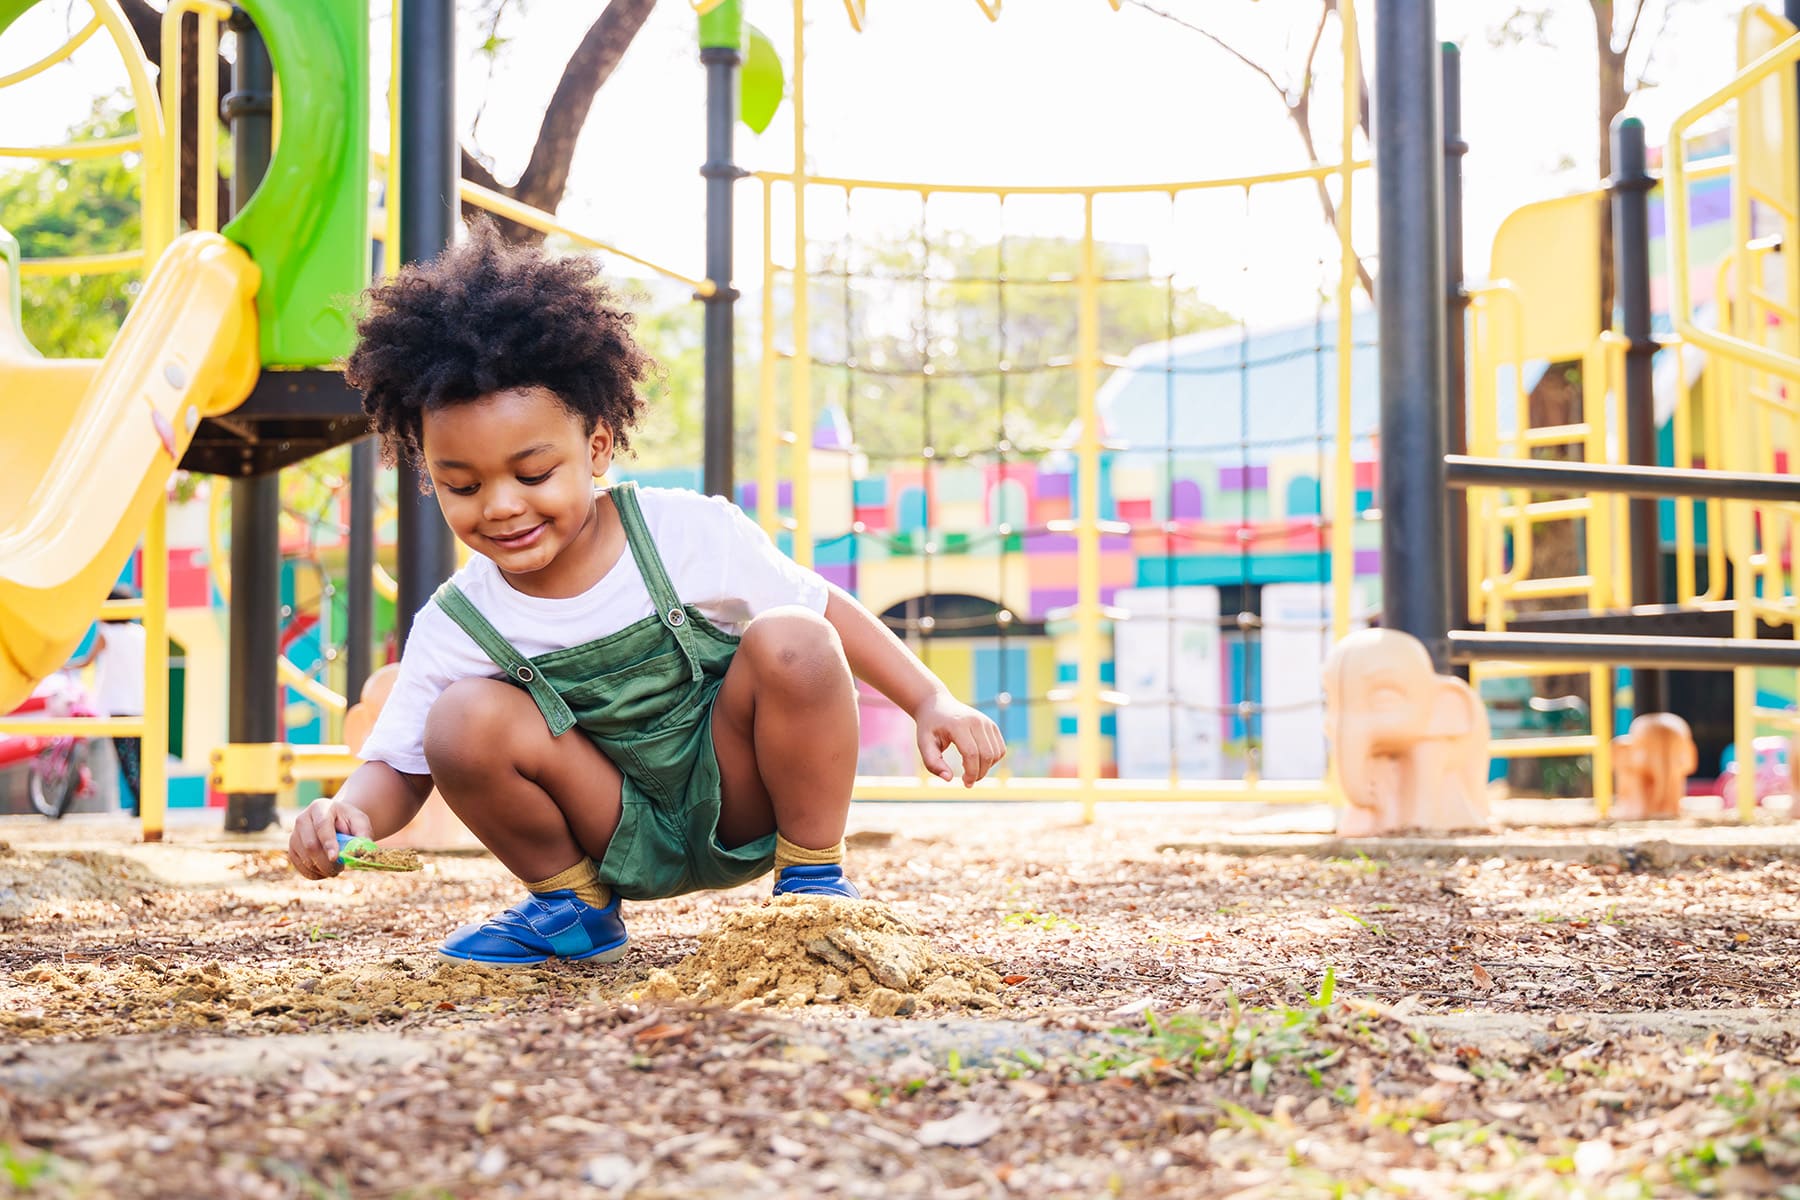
1148	1006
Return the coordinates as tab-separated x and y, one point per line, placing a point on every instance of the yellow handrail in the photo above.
536	218
1681	304
71	151
1236	182
83	264
61	54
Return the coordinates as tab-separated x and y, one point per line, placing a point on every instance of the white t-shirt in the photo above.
119	669
717	559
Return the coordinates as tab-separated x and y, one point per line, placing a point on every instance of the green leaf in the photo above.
1261	1072
761	80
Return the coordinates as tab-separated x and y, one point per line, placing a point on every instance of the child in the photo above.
118	658
626	692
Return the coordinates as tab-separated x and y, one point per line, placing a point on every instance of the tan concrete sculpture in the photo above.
1411	746
434	827
1651	765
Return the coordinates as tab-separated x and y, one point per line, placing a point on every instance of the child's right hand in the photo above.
313	846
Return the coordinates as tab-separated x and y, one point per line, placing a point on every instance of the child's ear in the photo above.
600	449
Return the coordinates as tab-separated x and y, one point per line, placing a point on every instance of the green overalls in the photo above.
644	695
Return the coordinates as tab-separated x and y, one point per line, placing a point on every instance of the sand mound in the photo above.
799	950
391	859
29	881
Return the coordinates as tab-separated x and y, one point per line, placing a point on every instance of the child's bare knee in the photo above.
467	725
795	649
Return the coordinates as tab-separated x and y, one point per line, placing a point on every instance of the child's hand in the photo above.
945	721
313	846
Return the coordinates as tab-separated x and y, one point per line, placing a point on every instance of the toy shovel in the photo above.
362	854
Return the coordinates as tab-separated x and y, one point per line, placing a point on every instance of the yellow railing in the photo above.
792	431
1497	320
1753	367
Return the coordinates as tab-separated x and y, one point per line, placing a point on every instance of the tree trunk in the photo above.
546	175
1612	98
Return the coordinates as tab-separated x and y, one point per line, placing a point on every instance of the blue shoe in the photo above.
822	879
542	926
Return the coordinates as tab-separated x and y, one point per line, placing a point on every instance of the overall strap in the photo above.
460	609
669	609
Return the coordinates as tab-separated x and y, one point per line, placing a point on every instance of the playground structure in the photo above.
1143	604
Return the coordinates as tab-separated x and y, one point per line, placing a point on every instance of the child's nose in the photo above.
504	502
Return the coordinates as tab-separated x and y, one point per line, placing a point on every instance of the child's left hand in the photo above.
945	721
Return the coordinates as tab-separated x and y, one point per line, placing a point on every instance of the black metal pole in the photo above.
1410	294
1630	186
721	173
1456	300
1553	475
254	631
430	169
1635	650
359	603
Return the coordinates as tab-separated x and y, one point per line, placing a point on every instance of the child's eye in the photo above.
534	480
460	491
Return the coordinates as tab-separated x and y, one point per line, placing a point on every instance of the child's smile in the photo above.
514	474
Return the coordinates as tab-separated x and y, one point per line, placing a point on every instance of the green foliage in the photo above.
672	432
1259	1042
87	206
23	1169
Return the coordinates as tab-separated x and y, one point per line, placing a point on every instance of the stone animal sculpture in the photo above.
1651	765
1411	746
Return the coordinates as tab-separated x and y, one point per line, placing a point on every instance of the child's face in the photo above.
514	474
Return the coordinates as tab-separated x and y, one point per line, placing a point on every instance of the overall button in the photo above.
676	618
525	674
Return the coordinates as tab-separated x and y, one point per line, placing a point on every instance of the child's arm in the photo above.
882	660
374	802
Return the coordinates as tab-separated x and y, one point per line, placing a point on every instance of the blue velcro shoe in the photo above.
822	879
542	926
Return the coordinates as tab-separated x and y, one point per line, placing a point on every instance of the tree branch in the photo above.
1221	44
1299	109
547	173
1312	52
1632	32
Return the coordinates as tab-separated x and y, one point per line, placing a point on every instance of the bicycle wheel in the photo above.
56	776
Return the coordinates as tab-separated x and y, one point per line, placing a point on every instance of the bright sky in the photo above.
1055	92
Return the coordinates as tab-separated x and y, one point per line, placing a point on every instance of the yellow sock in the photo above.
583	879
789	855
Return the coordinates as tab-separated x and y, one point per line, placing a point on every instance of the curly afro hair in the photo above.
486	316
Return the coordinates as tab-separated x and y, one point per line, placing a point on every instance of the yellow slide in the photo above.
87	448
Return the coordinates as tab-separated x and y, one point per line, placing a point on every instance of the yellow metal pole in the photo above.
801	408
1343	501
768	427
1600	716
153	776
1087	520
390	215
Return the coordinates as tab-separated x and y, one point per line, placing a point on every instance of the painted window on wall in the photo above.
1303	496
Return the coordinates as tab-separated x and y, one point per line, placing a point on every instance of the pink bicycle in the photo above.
58	766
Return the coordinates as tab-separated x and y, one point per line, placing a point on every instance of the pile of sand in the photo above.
30	881
799	950
390	859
